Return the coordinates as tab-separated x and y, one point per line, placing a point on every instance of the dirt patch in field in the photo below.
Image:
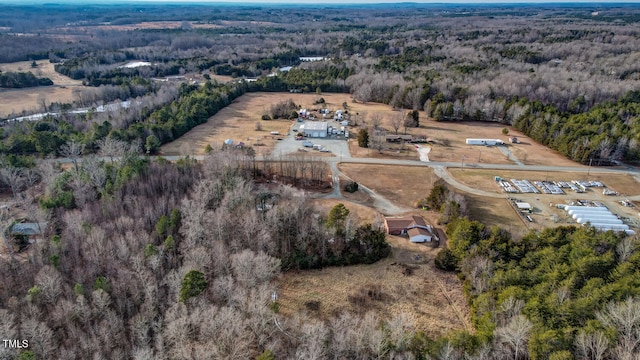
390	151
405	282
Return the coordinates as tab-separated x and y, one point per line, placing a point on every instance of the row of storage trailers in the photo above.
599	217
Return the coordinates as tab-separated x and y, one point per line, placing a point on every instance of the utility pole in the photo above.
589	169
462	163
479	154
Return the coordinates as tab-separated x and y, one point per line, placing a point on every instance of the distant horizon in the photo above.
310	2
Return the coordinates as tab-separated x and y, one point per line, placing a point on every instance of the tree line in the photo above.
18	80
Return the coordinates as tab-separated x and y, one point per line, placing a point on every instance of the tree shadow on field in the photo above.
438	128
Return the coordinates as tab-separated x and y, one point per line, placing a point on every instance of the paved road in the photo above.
440	168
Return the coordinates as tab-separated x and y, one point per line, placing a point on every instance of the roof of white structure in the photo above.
316	126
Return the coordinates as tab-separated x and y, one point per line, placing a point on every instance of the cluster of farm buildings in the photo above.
549	187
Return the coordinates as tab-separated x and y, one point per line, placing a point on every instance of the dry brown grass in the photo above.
449	137
147	25
403	185
237	121
367	215
14	101
44	69
527	151
434	298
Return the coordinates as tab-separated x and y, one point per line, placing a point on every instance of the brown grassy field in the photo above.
14	101
44	69
147	25
238	122
403	185
433	298
527	151
366	214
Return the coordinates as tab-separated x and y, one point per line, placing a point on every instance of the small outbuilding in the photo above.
523	206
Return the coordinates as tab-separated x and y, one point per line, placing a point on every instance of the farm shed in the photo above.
316	129
523	206
487	142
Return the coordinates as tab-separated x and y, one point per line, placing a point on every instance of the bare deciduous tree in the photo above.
514	336
591	346
12	176
396	122
624	317
72	150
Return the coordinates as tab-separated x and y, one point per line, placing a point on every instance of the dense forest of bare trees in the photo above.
112	270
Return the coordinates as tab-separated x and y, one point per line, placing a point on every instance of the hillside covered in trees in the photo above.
145	263
147	259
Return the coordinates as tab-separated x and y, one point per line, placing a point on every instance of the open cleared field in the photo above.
367	215
238	121
498	211
14	101
44	69
433	298
527	151
403	185
158	25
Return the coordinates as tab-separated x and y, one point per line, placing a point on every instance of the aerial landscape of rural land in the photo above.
335	180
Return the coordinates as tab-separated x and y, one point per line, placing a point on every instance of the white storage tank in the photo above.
617	227
600	221
584	218
594	215
587	208
579	211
